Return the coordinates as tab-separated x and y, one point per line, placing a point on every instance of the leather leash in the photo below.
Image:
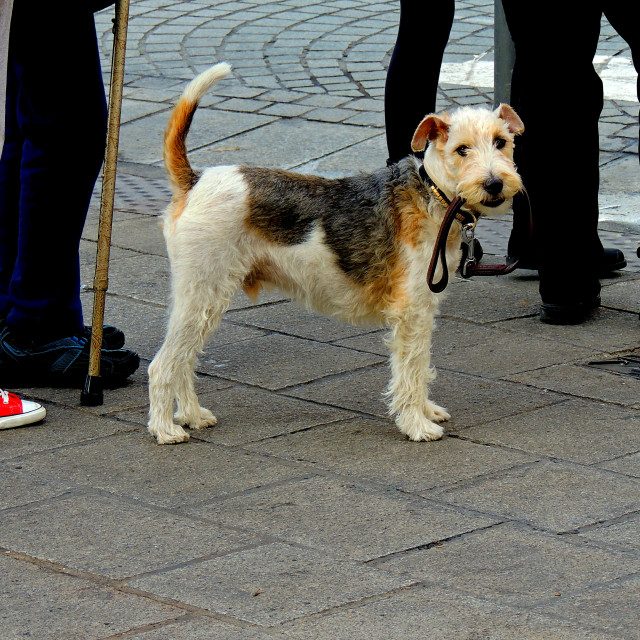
468	221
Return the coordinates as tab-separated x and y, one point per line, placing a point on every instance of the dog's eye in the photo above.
462	150
500	142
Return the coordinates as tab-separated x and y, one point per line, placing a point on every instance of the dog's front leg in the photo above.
410	344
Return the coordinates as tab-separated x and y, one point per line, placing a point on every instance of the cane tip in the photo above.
92	395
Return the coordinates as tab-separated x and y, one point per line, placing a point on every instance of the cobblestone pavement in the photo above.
304	514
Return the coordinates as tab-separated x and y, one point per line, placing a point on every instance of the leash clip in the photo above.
468	237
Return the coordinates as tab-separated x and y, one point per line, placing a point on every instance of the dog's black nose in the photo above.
493	186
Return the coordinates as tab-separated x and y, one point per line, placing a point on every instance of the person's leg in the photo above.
412	78
61	114
10	161
558	95
624	17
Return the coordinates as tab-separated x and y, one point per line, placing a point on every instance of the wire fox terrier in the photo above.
354	248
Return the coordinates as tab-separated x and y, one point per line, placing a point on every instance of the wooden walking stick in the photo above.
92	394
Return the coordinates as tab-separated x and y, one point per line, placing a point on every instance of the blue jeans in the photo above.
55	136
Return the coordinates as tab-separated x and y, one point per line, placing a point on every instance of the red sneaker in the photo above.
17	413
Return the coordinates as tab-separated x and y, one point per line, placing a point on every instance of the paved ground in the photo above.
304	514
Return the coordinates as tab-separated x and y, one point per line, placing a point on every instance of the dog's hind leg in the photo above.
410	343
197	309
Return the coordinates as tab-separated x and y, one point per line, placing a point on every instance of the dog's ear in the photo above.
430	128
512	119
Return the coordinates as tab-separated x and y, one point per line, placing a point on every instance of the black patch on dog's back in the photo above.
356	214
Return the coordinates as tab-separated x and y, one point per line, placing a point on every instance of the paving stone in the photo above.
249	414
331	515
145	326
628	465
19	489
134	109
555	496
490	299
170	476
582	381
141	277
514	565
612	607
376	451
286	144
203	628
623	295
469	399
289	318
609	331
442	613
270	584
63	425
359	391
277	361
365	156
49	605
112	537
604	432
141	140
624	534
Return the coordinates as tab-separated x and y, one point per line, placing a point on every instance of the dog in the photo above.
354	248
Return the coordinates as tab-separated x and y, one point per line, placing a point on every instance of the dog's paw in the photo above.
175	434
202	420
436	413
419	428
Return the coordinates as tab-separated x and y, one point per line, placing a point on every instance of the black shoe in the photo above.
61	363
112	337
613	261
575	313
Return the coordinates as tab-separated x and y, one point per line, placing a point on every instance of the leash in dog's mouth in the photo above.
468	220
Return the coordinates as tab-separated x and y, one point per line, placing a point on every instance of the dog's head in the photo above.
469	153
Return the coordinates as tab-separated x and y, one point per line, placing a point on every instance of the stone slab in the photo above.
332	516
289	318
515	565
134	467
277	361
491	299
365	156
613	607
270	584
585	382
376	451
607	331
577	430
624	534
110	536
63	425
201	628
554	496
628	465
471	400
430	611
145	324
19	489
249	414
41	602
141	139
287	143
624	295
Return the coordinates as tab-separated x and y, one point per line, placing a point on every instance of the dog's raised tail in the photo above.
181	175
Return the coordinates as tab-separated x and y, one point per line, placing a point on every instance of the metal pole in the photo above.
504	56
92	394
